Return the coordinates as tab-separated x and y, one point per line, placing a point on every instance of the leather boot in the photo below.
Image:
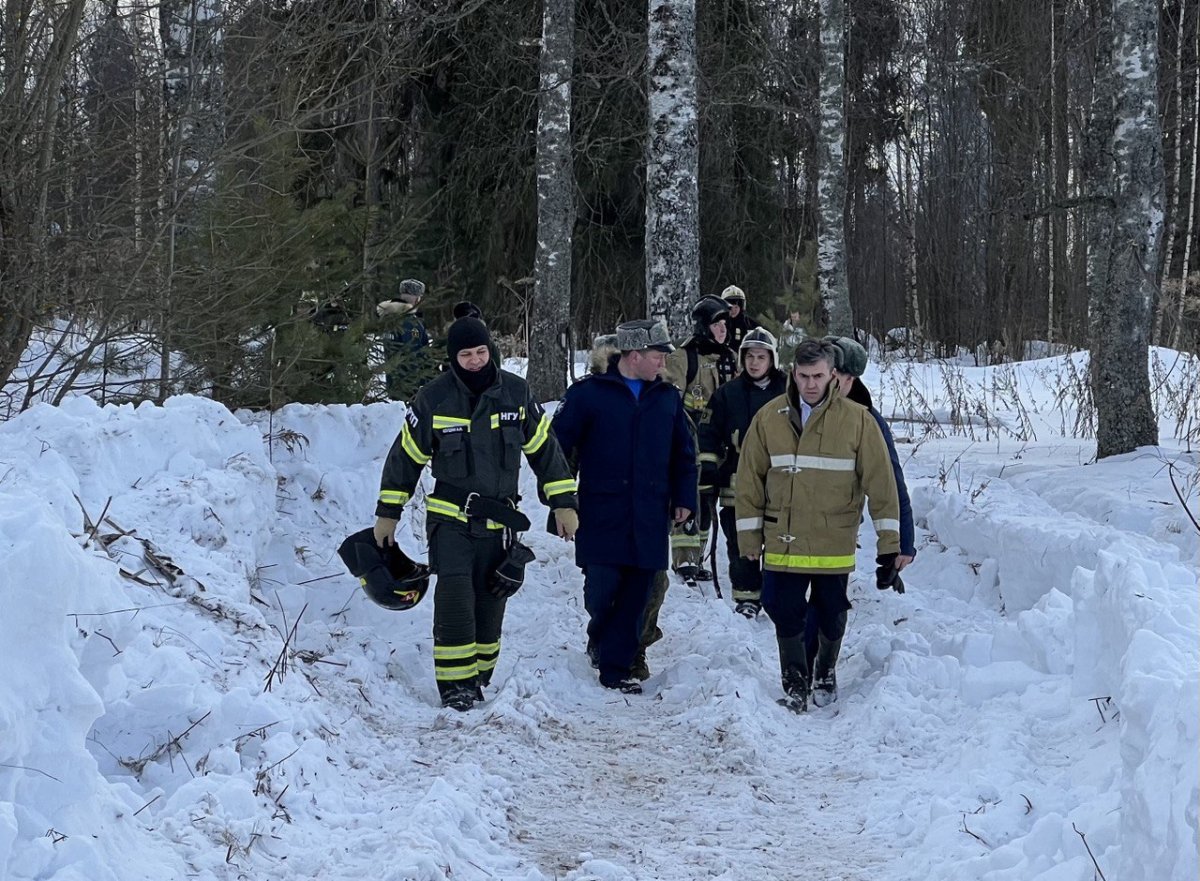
825	671
793	668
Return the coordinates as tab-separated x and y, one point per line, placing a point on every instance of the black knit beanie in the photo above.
466	333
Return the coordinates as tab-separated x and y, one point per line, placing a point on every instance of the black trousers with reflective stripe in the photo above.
467	618
744	576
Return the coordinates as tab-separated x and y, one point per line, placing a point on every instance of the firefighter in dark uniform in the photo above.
471	424
722	427
738	322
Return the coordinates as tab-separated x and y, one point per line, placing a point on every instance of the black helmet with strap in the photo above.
706	311
387	575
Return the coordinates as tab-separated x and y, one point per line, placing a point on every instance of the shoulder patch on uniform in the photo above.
411	417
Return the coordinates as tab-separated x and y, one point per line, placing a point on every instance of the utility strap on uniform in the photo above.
461	504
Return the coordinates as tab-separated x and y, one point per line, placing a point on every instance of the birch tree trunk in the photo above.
1173	194
831	187
548	353
672	166
1190	235
1126	271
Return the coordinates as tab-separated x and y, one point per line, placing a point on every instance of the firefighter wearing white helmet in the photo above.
722	427
738	323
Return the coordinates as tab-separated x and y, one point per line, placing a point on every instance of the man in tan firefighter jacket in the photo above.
807	461
697	368
471	425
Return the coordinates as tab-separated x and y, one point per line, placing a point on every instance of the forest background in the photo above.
187	175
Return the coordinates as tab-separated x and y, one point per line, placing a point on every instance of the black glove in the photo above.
887	576
510	574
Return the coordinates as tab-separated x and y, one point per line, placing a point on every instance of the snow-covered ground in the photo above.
195	688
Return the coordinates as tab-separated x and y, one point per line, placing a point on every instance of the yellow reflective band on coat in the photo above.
450	422
410	446
886	523
558	487
539	437
749	524
393	497
805	561
496	417
448	509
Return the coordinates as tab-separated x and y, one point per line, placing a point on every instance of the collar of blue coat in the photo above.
614	375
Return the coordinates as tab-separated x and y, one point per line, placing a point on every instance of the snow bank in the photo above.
1133	622
154	724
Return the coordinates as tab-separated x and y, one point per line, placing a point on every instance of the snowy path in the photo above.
1027	711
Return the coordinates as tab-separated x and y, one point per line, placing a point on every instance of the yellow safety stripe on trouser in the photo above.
710	457
539	437
393	497
558	487
450	422
747	596
487	654
452	663
805	561
448	509
683	540
409	444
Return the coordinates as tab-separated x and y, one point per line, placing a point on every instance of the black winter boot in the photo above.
460	696
748	608
824	671
639	669
793	666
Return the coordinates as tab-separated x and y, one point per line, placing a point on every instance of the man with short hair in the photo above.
808	459
627	430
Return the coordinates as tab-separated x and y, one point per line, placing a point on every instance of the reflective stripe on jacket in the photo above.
800	494
477	450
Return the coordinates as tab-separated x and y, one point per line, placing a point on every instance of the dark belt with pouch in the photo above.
479	507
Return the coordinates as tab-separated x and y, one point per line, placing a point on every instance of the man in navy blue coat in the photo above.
627	431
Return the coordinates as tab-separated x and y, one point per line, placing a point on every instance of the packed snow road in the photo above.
197	689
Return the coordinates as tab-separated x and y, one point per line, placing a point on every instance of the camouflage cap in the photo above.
644	333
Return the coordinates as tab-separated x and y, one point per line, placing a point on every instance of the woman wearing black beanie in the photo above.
469	346
471	424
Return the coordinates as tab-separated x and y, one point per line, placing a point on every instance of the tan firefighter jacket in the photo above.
698	374
800	494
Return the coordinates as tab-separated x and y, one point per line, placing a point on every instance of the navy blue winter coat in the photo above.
636	463
861	395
